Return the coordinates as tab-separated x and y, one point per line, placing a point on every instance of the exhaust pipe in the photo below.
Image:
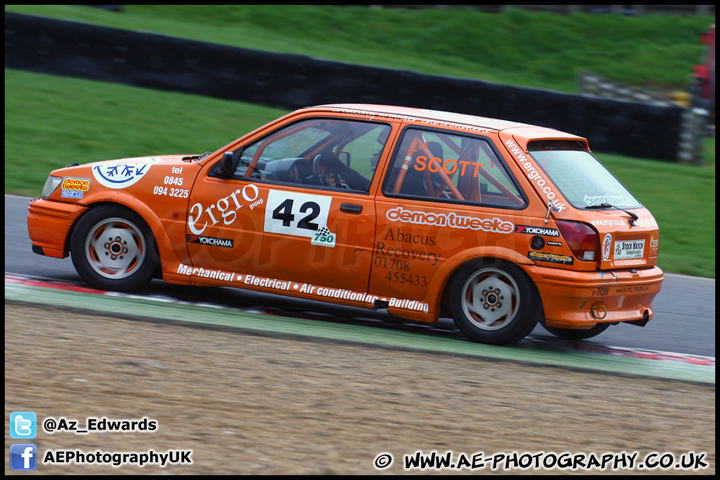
643	321
598	311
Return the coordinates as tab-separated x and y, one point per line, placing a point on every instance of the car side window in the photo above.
445	166
330	153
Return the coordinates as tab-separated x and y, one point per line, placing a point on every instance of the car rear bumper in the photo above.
583	299
49	224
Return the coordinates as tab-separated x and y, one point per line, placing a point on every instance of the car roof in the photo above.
436	116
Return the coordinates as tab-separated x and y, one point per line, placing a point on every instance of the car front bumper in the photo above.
49	224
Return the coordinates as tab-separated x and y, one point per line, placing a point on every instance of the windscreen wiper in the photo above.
633	216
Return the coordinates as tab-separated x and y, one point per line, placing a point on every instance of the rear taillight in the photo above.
581	238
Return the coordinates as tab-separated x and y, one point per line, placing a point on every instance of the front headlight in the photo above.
51	184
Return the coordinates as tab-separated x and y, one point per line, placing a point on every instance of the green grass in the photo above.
53	121
516	47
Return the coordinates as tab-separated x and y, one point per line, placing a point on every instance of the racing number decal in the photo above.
283	213
305	222
298	214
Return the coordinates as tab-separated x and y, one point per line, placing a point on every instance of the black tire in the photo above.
494	302
113	248
575	334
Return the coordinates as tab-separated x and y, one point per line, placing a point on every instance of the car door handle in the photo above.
350	208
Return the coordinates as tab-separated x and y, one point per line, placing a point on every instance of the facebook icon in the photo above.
23	456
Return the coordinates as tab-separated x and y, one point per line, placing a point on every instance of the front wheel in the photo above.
494	302
113	248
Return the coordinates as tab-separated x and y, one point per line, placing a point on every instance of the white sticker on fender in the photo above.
122	173
298	214
606	246
324	238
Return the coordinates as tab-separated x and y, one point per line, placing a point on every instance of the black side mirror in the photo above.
229	162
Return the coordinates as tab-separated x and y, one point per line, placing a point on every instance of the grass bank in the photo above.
516	47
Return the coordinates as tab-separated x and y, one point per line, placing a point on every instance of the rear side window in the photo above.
582	179
443	166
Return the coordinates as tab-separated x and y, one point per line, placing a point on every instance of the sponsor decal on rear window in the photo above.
534	175
616	200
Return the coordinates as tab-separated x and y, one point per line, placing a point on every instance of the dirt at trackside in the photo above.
262	405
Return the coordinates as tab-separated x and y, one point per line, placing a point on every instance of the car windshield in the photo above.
582	179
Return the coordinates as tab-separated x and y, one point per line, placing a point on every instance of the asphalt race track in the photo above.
684	321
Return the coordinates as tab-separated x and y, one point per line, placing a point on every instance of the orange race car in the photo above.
499	225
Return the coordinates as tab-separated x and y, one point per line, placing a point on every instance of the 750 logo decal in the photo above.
323	238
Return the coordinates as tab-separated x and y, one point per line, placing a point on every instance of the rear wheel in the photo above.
113	248
494	302
576	334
